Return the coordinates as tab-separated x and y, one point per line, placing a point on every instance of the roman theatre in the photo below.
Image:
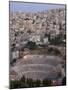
38	67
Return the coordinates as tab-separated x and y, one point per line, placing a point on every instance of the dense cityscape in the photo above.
37	48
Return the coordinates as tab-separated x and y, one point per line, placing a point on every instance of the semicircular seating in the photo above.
38	68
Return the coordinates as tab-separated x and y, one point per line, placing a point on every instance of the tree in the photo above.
37	83
50	50
64	81
31	45
65	36
57	52
49	37
12	62
23	82
29	82
14	84
46	82
23	79
56	40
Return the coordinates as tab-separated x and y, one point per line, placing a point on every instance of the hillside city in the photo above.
38	46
